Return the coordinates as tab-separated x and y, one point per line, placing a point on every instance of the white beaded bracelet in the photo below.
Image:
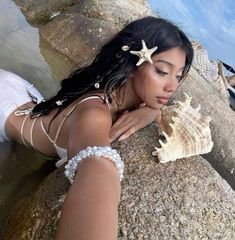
106	152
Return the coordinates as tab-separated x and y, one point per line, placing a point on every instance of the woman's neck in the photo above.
124	99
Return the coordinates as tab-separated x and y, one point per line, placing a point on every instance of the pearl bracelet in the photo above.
106	152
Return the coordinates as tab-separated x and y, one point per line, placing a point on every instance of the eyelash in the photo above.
161	73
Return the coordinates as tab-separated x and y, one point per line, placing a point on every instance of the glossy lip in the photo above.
163	99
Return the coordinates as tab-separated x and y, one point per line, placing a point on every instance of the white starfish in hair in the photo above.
144	54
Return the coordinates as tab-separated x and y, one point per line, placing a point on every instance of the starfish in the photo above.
144	54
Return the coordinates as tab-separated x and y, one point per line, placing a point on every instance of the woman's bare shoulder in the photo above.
92	109
89	125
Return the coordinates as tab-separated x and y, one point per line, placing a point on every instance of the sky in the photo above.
211	22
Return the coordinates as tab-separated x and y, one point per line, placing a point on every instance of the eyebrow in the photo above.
168	63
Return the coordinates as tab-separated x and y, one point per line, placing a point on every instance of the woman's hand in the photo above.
130	122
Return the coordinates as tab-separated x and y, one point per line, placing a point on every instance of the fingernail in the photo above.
121	138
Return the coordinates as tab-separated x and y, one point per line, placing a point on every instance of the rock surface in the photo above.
117	13
78	29
222	156
41	11
76	36
185	199
209	70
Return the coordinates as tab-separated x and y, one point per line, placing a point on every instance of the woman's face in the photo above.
155	83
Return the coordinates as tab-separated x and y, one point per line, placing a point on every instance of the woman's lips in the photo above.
163	100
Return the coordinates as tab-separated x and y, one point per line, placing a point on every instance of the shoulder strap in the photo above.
31	132
67	114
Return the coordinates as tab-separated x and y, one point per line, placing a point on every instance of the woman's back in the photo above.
35	131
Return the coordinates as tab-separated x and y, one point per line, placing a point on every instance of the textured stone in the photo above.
209	70
42	11
78	28
117	13
76	36
186	199
36	217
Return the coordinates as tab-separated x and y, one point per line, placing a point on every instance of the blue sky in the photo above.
212	22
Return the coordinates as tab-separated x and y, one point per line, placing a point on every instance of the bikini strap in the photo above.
26	112
22	131
53	141
31	132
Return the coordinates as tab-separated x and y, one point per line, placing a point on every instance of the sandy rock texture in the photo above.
76	36
41	11
186	199
78	28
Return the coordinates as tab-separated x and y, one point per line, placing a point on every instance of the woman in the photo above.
123	90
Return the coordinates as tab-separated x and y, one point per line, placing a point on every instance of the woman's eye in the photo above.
161	73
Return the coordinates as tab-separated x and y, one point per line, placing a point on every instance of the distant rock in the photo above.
209	70
185	199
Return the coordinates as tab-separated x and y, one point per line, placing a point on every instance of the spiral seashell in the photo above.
188	135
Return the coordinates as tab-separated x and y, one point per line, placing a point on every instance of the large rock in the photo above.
117	13
210	71
185	199
42	11
81	30
222	156
76	36
78	28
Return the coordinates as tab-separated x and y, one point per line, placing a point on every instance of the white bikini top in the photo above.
61	152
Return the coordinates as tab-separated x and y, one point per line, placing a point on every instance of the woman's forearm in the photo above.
90	210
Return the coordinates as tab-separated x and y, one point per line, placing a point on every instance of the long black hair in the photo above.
112	65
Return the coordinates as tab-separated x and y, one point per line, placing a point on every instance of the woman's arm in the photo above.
90	210
130	122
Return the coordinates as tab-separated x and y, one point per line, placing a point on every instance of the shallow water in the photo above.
23	52
21	170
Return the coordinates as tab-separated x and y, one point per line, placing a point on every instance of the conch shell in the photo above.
188	135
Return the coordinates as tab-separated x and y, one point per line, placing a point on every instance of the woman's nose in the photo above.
171	84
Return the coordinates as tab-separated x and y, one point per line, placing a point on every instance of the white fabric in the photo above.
14	92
